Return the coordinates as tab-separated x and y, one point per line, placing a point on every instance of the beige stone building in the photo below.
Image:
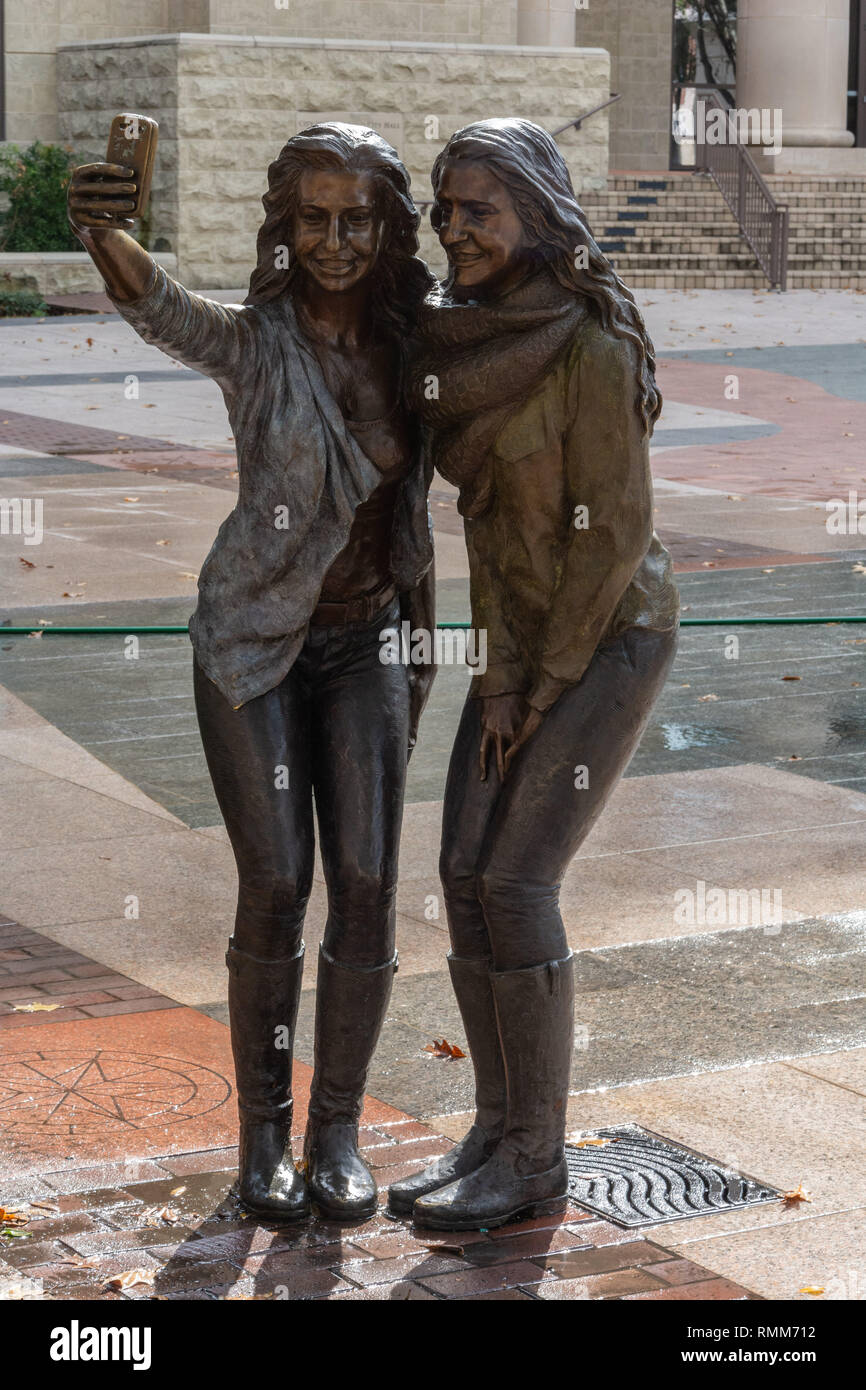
229	80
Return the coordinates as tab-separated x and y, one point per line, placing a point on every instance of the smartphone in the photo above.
132	142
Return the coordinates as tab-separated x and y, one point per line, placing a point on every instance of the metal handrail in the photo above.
763	222
579	120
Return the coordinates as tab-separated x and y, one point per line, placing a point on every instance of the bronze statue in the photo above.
329	543
536	375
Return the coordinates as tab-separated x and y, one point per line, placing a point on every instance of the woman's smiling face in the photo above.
479	228
337	233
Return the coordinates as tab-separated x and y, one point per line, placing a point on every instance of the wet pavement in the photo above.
784	696
741	1034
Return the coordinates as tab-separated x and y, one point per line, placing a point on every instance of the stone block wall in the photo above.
35	28
437	21
226	106
639	38
32	32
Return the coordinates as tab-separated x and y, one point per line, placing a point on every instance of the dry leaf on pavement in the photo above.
129	1278
441	1047
12	1218
797	1194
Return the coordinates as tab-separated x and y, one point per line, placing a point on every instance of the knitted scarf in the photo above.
474	363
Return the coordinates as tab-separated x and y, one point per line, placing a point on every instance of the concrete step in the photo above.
809	247
733	280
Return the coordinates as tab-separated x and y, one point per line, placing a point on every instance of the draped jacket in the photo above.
263	575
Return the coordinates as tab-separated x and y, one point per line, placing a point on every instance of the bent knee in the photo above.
501	891
275	893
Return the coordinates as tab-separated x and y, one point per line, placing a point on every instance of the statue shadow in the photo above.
228	1253
225	1253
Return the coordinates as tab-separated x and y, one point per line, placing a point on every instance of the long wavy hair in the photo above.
528	162
399	279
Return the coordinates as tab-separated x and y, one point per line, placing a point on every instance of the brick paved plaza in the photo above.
743	1040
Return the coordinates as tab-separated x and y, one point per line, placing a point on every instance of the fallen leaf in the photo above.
858	569
79	593
186	574
441	1047
132	499
446	1249
816	1292
46	1206
591	1143
165	1215
703	698
13	1218
768	571
177	1191
28	564
81	1262
163	542
36	1008
797	1194
792	678
129	1278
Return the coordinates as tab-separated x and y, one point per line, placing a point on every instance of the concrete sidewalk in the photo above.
741	1037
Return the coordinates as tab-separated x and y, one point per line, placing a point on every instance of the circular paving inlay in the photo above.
60	1101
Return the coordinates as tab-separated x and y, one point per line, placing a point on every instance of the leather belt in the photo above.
353	610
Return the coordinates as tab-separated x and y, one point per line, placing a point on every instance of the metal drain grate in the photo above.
640	1179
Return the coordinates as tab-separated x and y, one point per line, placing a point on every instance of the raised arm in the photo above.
100	197
216	339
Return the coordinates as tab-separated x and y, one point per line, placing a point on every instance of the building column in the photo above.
792	55
546	23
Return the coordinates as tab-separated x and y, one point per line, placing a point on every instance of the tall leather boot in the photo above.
526	1175
263	998
351	1003
474	991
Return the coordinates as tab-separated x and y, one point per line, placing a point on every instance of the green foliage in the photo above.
35	181
21	304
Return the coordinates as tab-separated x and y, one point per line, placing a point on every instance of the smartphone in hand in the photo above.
132	142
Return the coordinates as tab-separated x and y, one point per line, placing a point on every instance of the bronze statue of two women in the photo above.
527	379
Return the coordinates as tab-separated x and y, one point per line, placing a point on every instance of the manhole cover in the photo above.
637	1178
